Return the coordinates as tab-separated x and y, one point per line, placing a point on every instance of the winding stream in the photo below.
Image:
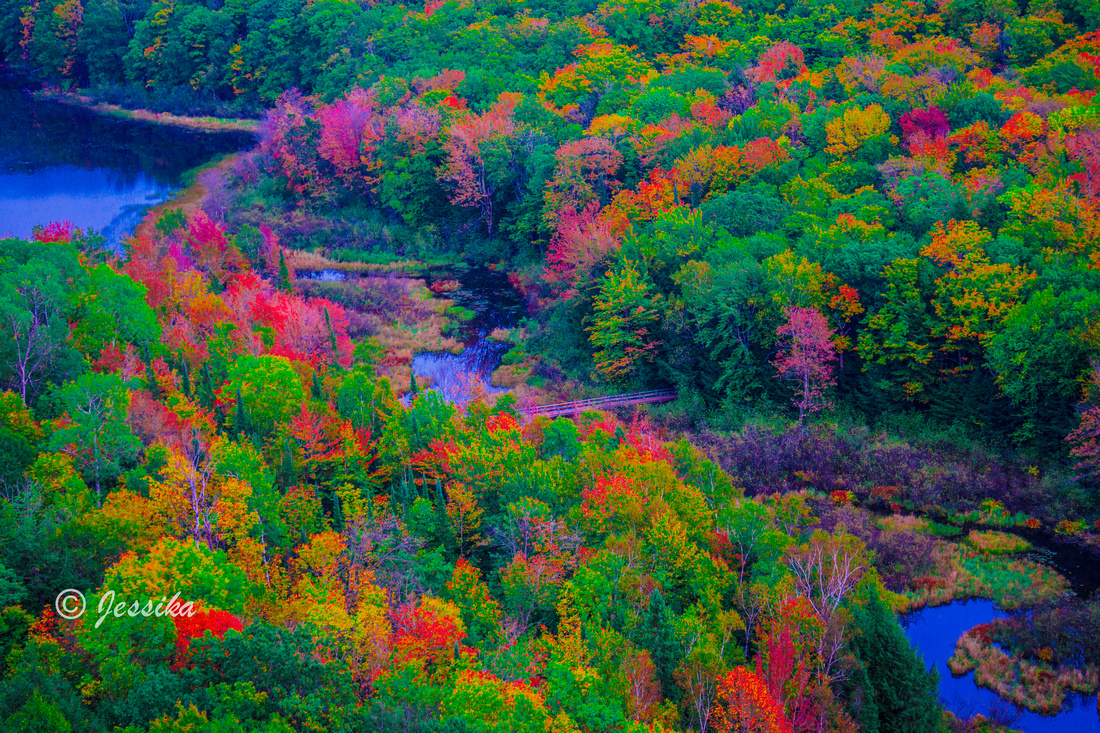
934	631
495	304
64	163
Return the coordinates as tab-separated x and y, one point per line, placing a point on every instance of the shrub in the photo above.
997	543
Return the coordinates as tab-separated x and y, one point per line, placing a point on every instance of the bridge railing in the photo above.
597	403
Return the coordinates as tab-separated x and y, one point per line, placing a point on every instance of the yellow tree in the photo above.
854	128
193	501
975	296
624	323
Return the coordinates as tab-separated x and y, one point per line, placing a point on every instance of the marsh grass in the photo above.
300	259
515	335
997	543
510	375
1040	688
978	723
191	197
402	313
206	124
905	523
962	573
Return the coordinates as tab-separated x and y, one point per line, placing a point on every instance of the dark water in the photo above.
1079	564
934	631
496	304
59	162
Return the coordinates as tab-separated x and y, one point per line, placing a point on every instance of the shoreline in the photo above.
200	124
187	198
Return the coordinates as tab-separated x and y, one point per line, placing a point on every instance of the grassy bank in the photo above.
189	197
206	124
1040	688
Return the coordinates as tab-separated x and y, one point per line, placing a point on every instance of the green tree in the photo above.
34	313
905	693
1040	358
39	715
623	326
112	310
98	435
271	391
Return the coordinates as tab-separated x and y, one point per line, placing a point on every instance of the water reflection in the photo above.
934	631
59	162
495	304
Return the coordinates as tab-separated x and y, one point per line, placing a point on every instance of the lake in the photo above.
59	162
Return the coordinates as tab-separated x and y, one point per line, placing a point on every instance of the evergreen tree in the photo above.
206	392
284	274
443	522
288	474
657	634
331	333
860	696
150	376
905	693
241	424
185	377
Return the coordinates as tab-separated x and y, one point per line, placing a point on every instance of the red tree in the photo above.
468	140
351	129
195	627
581	240
807	357
58	231
746	706
1086	438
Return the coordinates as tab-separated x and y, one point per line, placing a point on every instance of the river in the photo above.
934	631
495	304
60	162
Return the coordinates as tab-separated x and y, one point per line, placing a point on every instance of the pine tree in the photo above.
185	377
443	522
287	470
860	694
412	384
657	634
331	333
150	376
241	423
284	273
206	394
905	693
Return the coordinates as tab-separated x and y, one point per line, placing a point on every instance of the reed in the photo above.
206	124
425	335
1039	688
510	375
905	523
189	199
444	286
997	543
300	259
962	572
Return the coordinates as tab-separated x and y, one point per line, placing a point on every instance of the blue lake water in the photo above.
934	631
59	162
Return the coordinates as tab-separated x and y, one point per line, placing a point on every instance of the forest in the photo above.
859	242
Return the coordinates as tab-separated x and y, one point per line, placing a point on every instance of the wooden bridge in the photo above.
601	403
